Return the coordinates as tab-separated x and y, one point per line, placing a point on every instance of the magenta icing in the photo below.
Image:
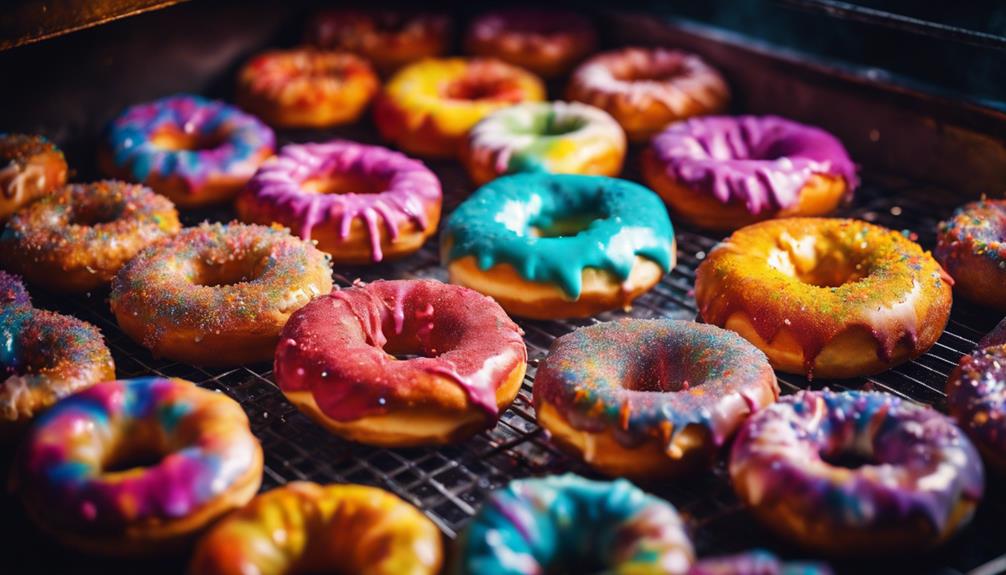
762	161
408	187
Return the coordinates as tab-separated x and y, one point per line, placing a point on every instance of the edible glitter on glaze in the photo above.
245	140
757	562
919	463
544	525
409	188
496	225
205	436
653	378
760	161
12	291
976	398
977	228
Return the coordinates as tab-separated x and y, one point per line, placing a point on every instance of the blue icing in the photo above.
11	321
622	220
169	415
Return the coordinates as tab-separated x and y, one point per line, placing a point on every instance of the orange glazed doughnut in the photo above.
647	88
30	166
971	245
427	108
306	88
826	297
546	42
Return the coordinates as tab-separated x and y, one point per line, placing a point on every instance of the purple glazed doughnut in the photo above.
757	562
976	398
650	398
995	337
851	473
724	173
359	203
971	246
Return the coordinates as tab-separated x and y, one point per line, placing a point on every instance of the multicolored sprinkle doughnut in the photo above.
137	467
971	246
976	398
30	167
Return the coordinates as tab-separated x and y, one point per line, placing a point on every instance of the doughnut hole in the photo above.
817	261
229	272
475	86
171	138
563	226
345	184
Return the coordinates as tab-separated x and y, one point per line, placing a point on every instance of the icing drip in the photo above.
757	562
19	174
762	162
496	225
976	397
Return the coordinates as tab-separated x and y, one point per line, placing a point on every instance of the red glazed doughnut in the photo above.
336	361
546	42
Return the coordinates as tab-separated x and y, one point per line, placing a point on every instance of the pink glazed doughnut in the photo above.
361	203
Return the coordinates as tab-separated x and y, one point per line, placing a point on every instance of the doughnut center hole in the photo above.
178	140
807	260
652	73
847	459
550	126
231	272
476	87
133	454
94	215
344	184
562	227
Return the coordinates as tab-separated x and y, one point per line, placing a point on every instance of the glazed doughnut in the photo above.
995	337
428	107
77	238
971	245
647	88
559	523
825	297
554	137
306	88
360	203
217	294
137	467
30	167
546	42
304	527
388	38
757	562
650	399
557	245
725	172
44	356
976	398
193	150
856	472
336	361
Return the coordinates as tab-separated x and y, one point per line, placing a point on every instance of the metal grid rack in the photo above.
449	483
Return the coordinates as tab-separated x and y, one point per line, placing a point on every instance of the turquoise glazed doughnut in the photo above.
137	466
856	472
976	398
559	245
757	562
567	523
650	398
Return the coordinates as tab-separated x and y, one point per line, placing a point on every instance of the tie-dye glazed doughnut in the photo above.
650	399
757	562
976	398
826	297
218	294
725	172
193	150
44	356
30	167
971	245
428	107
647	88
309	528
546	42
137	467
360	203
306	88
554	137
856	472
563	524
559	245
77	238
336	361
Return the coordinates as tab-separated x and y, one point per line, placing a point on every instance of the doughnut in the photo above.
388	38
995	337
558	245
342	360
546	42
825	297
976	398
30	167
650	399
360	203
44	356
217	294
855	472
306	88
757	562
428	107
304	527
555	137
971	246
647	88
193	150
77	238
561	523
726	172
137	467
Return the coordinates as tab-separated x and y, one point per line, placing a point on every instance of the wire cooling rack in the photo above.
449	483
